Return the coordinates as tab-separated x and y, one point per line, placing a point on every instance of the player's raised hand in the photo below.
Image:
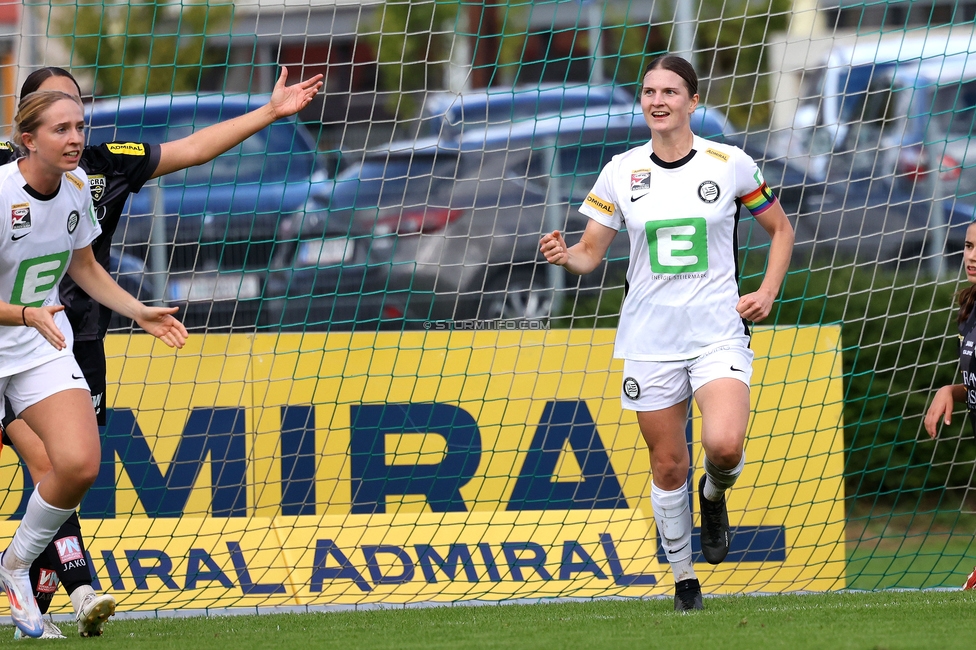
553	246
288	100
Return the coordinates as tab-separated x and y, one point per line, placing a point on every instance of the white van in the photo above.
834	96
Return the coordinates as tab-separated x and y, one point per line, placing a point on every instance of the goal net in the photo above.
388	396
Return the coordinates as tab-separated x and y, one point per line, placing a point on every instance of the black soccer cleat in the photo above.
715	532
688	596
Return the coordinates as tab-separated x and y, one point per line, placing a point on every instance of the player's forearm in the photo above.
103	289
12	315
206	144
958	392
581	259
778	262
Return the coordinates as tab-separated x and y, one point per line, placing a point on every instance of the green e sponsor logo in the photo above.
36	278
678	245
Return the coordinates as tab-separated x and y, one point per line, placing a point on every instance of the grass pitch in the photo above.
871	621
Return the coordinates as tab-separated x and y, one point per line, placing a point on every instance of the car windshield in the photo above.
580	167
853	87
954	109
949	114
577	165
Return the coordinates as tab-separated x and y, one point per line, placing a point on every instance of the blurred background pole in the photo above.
158	245
555	220
683	37
595	40
938	225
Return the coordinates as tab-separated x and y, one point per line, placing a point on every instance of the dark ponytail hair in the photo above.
678	66
36	78
967	299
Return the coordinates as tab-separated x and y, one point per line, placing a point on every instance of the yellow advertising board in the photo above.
335	469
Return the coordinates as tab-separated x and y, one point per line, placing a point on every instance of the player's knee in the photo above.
670	476
81	472
88	474
724	456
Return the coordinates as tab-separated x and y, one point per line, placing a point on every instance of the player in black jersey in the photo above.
946	397
114	173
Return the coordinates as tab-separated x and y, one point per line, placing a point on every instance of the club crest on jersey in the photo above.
97	185
640	183
708	192
73	221
631	388
20	216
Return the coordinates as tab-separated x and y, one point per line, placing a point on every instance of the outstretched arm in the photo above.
97	283
206	144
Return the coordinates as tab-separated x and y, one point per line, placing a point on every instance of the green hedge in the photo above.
899	345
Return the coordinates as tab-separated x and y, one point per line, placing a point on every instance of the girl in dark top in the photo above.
948	396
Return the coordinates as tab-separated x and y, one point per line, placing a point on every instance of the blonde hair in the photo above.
30	113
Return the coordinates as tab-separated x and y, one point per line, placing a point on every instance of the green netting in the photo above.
390	398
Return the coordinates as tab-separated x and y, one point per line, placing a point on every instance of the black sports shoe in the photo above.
715	533
688	596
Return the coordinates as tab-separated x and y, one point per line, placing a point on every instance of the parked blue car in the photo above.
219	218
446	114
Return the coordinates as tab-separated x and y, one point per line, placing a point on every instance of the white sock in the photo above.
39	526
717	481
78	596
673	517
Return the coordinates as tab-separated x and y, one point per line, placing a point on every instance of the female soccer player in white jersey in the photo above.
50	231
683	327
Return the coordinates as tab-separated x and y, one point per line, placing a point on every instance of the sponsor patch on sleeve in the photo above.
724	157
606	207
127	148
74	180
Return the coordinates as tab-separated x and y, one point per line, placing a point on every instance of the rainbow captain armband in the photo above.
759	200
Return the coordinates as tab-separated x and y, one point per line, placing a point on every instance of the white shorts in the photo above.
656	385
30	386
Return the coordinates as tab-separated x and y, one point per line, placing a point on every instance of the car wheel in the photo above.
516	297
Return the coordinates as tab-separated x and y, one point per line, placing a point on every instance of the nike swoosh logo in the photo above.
677	550
16	237
637	198
734	369
73	376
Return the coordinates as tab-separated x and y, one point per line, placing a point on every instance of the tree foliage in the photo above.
141	47
411	48
731	37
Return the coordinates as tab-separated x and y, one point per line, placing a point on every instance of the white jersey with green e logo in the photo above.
37	236
681	218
